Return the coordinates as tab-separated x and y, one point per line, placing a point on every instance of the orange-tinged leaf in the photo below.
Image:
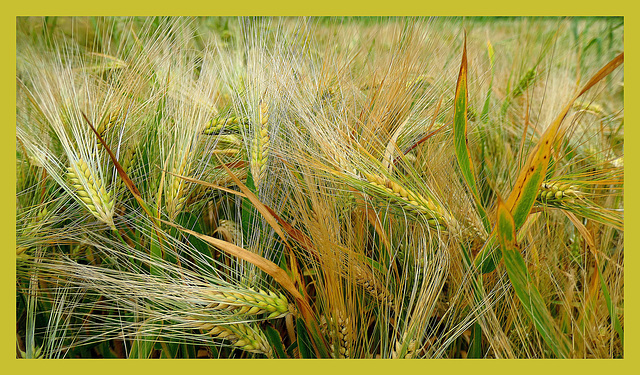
526	188
272	269
207	184
523	195
461	141
258	204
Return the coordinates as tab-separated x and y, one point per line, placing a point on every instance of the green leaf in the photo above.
290	349
189	220
484	116
460	136
276	341
475	347
524	193
143	345
532	302
305	348
610	307
169	350
156	255
188	351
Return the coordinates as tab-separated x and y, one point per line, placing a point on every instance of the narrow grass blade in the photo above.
169	350
529	296
460	136
142	346
156	254
305	348
484	116
610	307
475	347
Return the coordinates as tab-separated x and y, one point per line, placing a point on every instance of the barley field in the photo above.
319	187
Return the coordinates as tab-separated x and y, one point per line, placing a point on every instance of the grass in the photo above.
319	187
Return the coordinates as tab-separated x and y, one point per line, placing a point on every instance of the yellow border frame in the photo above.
326	7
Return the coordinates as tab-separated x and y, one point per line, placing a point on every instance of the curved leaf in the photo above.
460	136
524	193
529	296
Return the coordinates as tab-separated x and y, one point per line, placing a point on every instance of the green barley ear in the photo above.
176	195
557	194
37	222
104	126
404	348
412	202
250	303
247	337
260	147
129	158
586	106
91	191
227	124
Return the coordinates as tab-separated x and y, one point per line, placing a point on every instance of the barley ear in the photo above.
260	146
91	192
